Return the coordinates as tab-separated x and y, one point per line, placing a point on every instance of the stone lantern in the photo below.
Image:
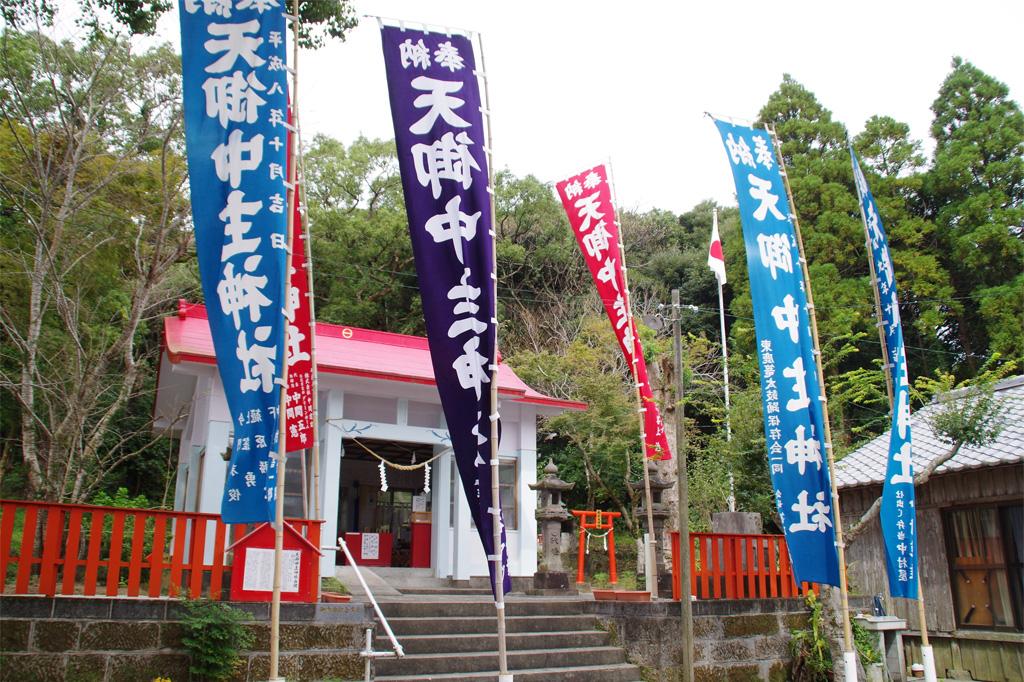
551	513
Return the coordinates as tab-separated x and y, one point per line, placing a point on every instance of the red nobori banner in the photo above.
299	402
588	203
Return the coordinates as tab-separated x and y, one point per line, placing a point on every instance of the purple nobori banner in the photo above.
791	395
235	93
898	515
439	133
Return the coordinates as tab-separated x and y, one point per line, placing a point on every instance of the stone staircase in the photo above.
453	639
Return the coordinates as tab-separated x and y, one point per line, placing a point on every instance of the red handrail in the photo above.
734	566
50	548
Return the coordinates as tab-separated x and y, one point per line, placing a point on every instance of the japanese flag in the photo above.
716	261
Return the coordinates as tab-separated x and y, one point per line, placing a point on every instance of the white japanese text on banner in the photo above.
235	93
898	515
790	393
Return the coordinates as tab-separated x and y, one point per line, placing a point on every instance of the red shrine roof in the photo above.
348	351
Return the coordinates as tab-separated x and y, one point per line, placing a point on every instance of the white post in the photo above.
499	574
725	370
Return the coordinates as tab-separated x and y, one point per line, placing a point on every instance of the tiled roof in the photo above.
866	464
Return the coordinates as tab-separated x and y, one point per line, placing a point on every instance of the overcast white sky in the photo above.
575	83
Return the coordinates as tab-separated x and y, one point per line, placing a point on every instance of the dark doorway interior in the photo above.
364	508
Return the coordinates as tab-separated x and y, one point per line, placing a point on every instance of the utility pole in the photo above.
686	612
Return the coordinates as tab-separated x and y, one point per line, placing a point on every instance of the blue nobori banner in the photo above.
898	515
791	395
439	133
235	94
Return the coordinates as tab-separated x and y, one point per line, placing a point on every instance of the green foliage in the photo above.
602	580
974	192
320	19
332	584
214	637
809	647
969	412
364	274
597	449
866	644
99	121
121	498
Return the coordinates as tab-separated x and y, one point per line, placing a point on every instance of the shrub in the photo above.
214	638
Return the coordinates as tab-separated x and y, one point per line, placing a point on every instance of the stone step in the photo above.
452	644
443	591
449	608
488	625
619	672
426	664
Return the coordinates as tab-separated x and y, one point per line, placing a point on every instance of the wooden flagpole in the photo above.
496	519
927	654
651	546
282	436
849	655
683	496
725	365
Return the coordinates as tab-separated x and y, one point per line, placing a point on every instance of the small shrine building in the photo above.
377	399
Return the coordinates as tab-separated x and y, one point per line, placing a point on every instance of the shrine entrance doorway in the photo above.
399	516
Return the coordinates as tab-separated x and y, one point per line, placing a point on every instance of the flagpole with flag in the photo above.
651	545
849	654
450	211
282	415
716	261
898	360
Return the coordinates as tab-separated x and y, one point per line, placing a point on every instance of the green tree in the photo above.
894	169
320	20
91	177
363	265
598	449
974	192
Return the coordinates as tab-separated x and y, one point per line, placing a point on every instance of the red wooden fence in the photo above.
88	550
726	566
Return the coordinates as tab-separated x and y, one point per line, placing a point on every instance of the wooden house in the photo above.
970	517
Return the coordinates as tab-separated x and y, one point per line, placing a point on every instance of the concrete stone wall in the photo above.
137	640
734	640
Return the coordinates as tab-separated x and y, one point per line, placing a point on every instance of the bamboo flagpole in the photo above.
927	653
650	547
499	573
849	656
282	436
725	357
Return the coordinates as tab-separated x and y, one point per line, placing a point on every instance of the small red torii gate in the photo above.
597	520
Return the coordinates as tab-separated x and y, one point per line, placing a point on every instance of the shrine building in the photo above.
377	400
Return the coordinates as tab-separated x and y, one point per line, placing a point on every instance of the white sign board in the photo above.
371	546
419	503
258	572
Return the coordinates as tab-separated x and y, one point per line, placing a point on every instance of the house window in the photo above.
296	484
985	552
508	477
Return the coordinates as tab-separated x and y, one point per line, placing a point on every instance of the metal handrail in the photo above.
368	653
